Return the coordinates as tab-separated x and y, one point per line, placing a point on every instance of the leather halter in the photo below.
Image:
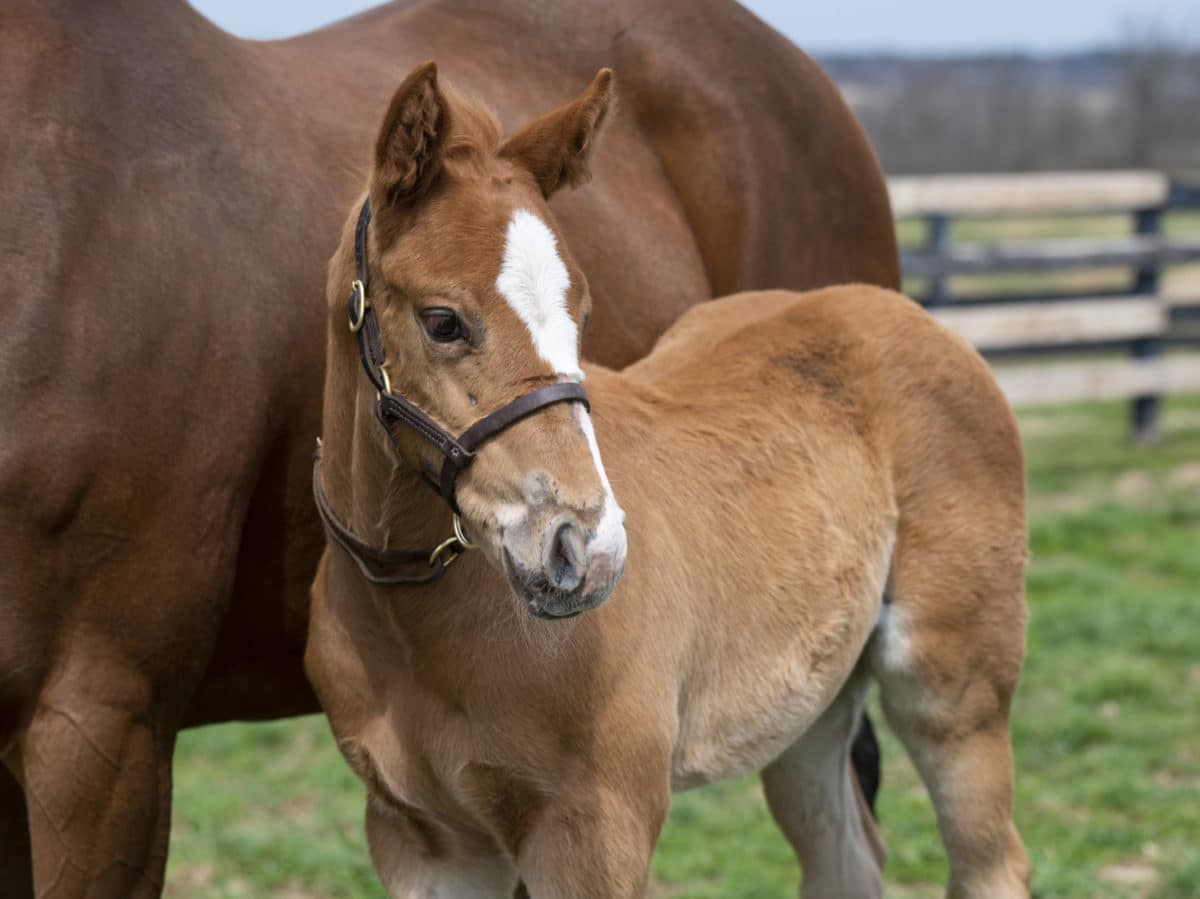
395	411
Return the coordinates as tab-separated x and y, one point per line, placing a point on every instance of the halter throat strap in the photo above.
384	568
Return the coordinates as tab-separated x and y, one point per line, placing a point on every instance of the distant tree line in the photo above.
1132	107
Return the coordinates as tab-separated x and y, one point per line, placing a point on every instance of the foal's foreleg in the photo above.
596	845
415	859
814	798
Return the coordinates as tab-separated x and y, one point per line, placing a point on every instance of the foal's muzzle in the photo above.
574	569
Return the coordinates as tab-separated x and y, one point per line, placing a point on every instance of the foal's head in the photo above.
480	302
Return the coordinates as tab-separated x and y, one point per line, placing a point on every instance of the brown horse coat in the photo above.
817	488
168	195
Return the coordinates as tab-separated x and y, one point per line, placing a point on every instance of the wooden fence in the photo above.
1129	334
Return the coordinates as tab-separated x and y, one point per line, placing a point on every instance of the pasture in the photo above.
1105	724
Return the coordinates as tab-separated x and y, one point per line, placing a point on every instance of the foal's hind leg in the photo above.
16	872
947	654
812	793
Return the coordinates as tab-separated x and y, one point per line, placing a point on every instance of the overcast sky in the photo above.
915	26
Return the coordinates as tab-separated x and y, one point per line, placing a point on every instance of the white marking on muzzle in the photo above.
534	281
610	532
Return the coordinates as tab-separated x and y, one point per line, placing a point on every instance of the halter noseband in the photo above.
395	411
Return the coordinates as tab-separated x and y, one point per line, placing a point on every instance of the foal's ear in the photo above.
556	147
408	152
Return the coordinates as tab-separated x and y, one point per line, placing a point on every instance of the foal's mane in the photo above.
474	130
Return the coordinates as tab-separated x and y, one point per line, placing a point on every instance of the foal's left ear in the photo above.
556	147
408	151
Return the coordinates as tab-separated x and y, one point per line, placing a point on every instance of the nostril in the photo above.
566	556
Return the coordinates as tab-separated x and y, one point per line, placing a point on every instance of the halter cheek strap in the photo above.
395	411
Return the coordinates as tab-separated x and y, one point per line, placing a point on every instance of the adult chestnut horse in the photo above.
818	488
168	196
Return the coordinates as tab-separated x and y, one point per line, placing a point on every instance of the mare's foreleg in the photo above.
96	764
16	871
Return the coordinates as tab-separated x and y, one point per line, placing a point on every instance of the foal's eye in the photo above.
443	325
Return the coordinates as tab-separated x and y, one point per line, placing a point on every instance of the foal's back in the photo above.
861	366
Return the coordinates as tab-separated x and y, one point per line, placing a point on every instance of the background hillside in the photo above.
1133	106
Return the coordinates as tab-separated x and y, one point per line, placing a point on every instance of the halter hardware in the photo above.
395	410
358	305
452	547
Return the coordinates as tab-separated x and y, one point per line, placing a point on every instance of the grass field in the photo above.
1107	726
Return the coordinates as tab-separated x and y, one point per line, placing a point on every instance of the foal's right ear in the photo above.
557	147
408	152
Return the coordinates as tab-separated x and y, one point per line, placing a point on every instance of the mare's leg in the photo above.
814	797
416	860
120	644
96	764
947	654
16	872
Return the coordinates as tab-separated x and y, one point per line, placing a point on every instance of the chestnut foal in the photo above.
814	489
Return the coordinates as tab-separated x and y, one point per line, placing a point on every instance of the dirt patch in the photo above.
1139	877
1133	486
1185	476
294	892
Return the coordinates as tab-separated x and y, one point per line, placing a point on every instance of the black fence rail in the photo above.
1151	329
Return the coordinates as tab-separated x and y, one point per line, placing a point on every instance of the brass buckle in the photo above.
358	311
387	382
452	547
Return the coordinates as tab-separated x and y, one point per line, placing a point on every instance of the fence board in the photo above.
1136	251
1182	300
1050	192
1032	385
1135	318
1052	323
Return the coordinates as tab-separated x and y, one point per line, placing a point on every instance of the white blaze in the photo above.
534	281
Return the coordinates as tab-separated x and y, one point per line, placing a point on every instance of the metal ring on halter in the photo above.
452	547
387	382
461	534
358	310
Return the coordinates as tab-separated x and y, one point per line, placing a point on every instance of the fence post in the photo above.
1146	409
937	241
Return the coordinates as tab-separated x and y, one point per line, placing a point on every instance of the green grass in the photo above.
1107	721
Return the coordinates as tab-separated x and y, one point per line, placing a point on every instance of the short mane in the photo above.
474	129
